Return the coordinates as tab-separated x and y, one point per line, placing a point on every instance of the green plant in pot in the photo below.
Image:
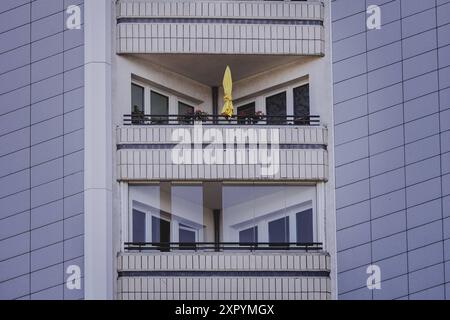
137	115
200	115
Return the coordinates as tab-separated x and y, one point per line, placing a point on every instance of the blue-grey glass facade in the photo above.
41	149
392	147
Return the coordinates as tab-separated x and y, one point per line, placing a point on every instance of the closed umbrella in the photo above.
227	91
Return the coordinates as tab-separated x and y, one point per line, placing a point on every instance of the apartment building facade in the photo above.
227	228
41	150
391	116
87	166
103	195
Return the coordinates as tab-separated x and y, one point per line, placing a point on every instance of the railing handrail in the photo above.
189	119
221	246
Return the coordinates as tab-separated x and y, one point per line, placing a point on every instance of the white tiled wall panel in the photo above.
307	135
308	161
213	261
223	288
307	10
284	287
258	37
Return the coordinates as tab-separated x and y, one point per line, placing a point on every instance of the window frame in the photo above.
263	222
149	214
173	99
260	99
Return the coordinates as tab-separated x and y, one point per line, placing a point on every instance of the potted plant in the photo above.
137	115
186	118
258	116
242	117
226	116
200	115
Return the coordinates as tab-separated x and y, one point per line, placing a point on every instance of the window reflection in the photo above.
279	231
188	222
249	235
213	213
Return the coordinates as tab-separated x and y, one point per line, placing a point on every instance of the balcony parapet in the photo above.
145	153
224	275
221	27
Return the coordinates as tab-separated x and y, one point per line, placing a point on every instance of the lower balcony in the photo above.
257	275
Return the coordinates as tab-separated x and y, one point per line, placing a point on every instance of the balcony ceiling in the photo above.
209	69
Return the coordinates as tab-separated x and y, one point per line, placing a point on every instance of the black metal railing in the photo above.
222	246
146	120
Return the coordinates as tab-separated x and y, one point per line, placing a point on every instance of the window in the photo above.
301	105
305	226
267	213
187	236
161	232
249	235
138	226
279	231
276	108
137	104
183	110
246	111
159	107
216	212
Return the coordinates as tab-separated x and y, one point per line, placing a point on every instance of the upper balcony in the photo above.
250	27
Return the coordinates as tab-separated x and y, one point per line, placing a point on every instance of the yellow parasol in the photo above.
227	90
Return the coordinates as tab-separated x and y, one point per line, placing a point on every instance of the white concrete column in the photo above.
321	214
98	249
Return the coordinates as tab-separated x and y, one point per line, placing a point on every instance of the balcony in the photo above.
224	275
145	148
221	27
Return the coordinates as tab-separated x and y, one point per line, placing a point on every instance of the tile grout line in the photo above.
368	147
404	149
440	148
30	222
63	152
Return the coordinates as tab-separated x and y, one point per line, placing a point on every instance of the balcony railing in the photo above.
279	120
222	246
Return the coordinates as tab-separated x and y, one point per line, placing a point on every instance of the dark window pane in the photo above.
276	108
279	231
183	110
159	107
245	112
248	235
301	105
137	98
138	226
186	238
305	226
137	104
161	232
187	235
